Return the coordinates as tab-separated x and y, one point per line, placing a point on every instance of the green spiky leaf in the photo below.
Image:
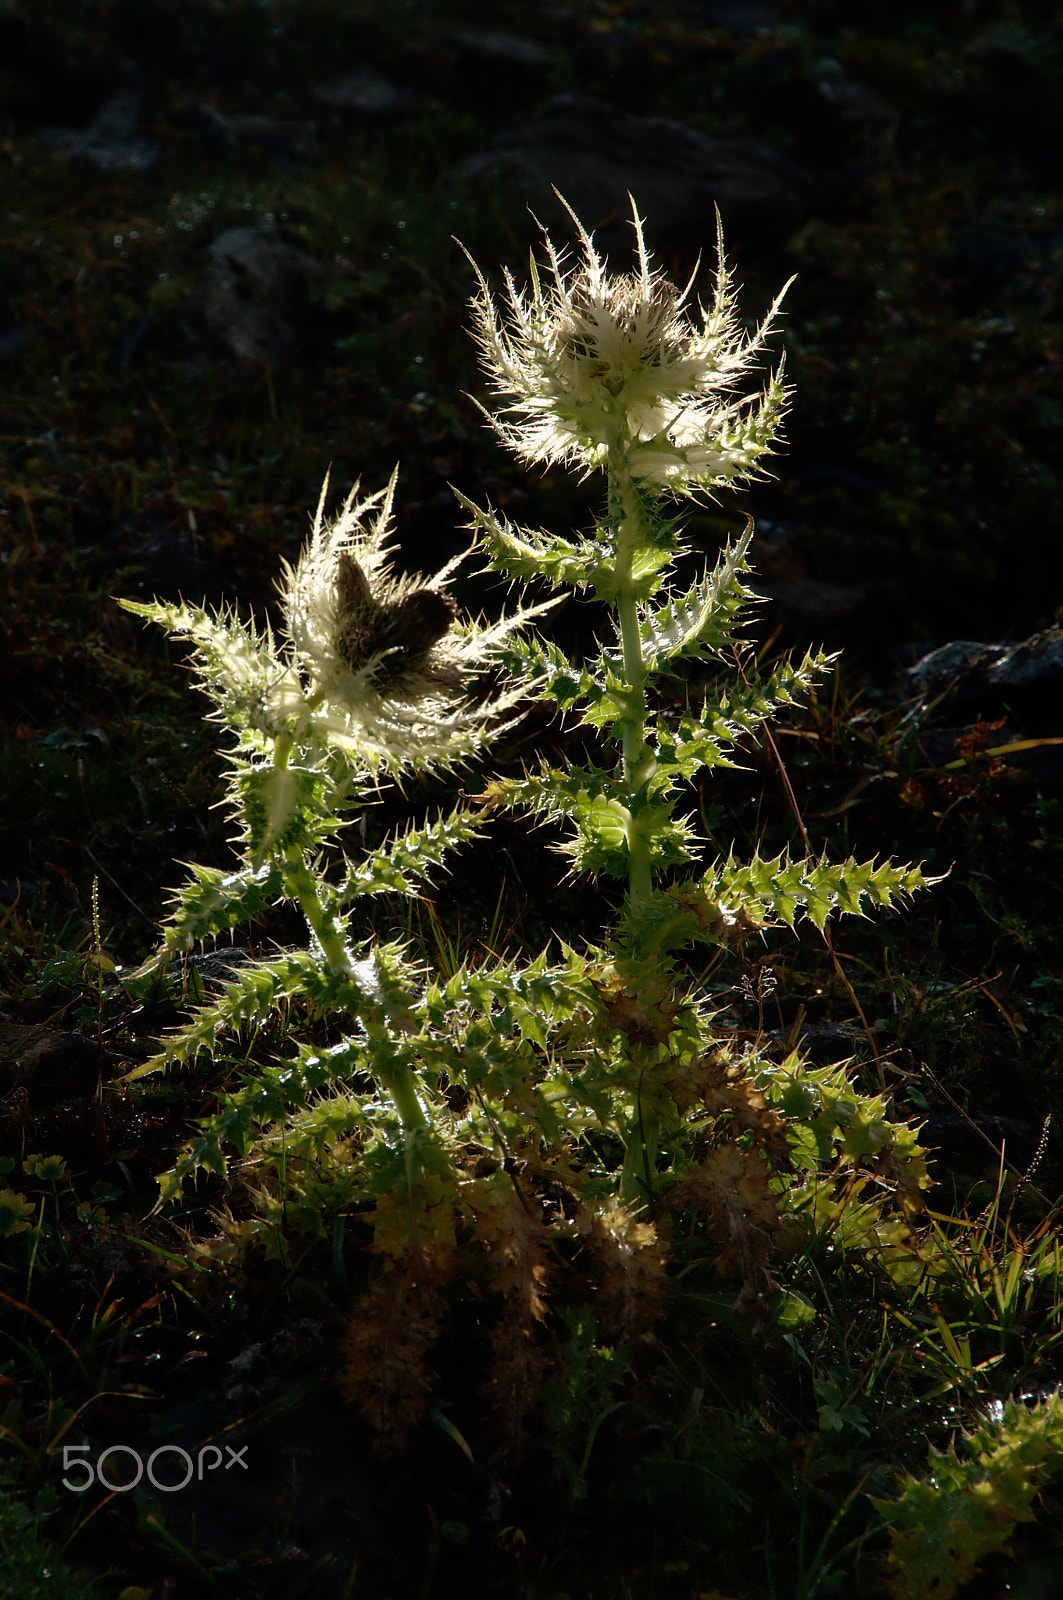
944	1526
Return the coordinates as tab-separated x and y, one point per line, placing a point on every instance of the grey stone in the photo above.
808	599
739	16
35	1053
222	132
596	154
111	141
847	95
512	49
252	287
364	91
971	669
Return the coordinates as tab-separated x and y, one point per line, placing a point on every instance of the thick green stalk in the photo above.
640	1152
639	764
638	757
399	1080
400	1083
303	886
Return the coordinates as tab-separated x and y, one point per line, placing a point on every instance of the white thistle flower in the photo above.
386	660
593	363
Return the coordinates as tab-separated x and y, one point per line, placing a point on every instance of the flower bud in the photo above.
593	364
385	658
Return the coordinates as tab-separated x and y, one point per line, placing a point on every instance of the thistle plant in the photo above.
622	375
514	1119
371	677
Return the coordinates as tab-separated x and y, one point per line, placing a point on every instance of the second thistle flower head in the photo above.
594	364
385	659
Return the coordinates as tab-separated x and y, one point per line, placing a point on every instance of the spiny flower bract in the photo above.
594	363
376	668
386	659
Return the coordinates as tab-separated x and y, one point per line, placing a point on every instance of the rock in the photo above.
825	585
504	75
222	133
1018	686
968	670
365	91
505	49
171	561
304	1465
43	1057
739	16
957	1138
108	1265
846	95
595	154
807	600
263	1370
251	294
111	140
12	340
216	968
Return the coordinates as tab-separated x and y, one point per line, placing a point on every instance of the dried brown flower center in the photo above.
403	631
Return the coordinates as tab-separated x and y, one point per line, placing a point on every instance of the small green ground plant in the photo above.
944	1525
32	1565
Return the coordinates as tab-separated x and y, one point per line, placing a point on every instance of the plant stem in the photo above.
401	1085
636	1175
303	886
639	765
639	760
398	1080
